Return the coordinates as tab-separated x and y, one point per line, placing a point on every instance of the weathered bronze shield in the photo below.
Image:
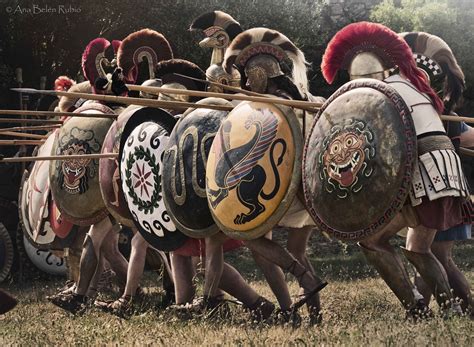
184	169
254	169
359	159
34	197
142	147
109	173
75	183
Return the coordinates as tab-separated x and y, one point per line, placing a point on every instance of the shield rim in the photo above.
101	214
123	220
9	254
411	150
293	187
168	124
24	179
214	228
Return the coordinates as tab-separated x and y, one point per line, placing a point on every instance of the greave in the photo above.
393	272
434	275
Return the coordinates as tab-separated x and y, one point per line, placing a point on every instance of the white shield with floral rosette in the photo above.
141	167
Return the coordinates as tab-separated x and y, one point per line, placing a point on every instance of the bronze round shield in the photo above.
75	183
33	201
109	173
142	147
184	169
359	159
254	169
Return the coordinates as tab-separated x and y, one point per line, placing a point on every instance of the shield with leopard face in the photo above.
142	147
254	169
359	159
75	183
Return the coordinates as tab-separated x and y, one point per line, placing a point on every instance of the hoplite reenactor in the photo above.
183	182
431	185
75	183
434	56
219	29
263	168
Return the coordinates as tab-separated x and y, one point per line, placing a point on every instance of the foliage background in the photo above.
51	44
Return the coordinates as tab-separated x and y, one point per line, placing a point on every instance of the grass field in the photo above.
358	309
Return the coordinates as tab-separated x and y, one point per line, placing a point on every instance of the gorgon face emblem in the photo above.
74	170
344	157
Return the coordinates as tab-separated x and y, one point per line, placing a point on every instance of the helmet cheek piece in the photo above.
259	70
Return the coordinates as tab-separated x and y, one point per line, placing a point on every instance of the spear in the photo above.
25	135
59	157
56	114
223	86
125	100
313	106
30	121
21	142
31	128
457	119
466	151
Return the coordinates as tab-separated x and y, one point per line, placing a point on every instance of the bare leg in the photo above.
183	274
274	277
214	264
136	264
276	254
233	283
443	252
117	261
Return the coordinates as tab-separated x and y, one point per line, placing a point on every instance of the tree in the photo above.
452	20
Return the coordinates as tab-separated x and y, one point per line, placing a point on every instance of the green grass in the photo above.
358	309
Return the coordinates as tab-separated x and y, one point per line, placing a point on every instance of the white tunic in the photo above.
438	172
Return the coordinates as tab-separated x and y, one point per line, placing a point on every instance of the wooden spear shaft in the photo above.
223	86
59	157
467	151
21	142
457	119
25	135
140	101
30	121
31	128
55	114
292	103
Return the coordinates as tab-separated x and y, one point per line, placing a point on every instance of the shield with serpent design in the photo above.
359	159
142	147
184	169
75	183
254	169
